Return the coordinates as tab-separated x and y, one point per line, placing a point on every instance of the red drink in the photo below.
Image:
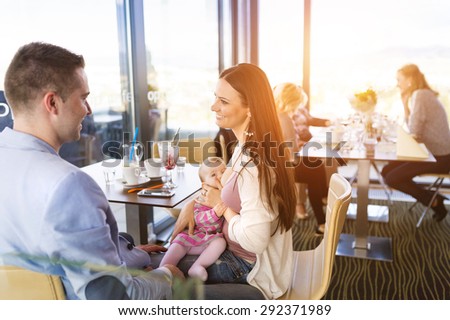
170	162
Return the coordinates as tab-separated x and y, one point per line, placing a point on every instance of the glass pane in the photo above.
82	26
281	40
182	61
361	44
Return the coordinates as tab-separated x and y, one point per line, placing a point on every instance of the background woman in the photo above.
257	199
427	122
290	100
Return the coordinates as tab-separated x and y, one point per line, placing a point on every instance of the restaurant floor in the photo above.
420	269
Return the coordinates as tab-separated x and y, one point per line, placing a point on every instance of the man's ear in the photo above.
51	102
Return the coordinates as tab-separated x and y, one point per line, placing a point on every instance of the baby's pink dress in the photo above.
207	228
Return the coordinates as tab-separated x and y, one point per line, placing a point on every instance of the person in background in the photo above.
207	239
256	195
55	219
295	120
427	122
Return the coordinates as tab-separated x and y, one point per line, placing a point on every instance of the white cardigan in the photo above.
253	228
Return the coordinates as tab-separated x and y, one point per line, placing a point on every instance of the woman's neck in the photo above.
240	135
242	131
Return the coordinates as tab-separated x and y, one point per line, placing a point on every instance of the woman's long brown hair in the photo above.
264	143
418	81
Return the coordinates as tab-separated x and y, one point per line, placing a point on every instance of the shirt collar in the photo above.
21	140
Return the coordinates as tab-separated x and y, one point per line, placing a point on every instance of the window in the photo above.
182	60
80	31
360	44
82	26
281	40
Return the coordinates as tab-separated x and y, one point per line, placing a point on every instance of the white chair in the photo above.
435	186
22	284
313	268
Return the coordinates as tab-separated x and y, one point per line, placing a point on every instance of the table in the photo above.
361	245
136	216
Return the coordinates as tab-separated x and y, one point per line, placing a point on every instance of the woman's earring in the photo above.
249	133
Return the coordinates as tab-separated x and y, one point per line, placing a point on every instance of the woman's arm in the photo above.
316	122
419	100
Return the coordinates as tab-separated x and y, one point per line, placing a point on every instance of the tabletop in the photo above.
188	183
405	148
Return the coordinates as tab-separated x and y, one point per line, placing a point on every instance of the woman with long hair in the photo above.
257	193
427	122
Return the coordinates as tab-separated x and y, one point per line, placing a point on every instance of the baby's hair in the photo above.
210	162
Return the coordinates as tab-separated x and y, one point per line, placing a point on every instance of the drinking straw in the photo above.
176	138
133	143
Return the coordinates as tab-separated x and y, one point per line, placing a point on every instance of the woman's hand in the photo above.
209	196
185	220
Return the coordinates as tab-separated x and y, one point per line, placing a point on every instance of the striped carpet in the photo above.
421	266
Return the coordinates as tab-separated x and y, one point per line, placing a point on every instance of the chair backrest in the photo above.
22	284
313	268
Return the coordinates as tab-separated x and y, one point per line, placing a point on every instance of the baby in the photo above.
207	240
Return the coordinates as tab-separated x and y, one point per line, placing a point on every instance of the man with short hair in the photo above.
53	217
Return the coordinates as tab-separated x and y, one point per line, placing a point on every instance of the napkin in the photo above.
408	147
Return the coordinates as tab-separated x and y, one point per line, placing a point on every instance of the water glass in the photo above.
110	175
181	163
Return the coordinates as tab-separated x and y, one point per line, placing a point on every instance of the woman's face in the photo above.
403	83
230	112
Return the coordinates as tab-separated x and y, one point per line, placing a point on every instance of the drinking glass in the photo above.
138	153
132	155
181	163
169	157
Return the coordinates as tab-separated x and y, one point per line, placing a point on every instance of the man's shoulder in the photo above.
55	171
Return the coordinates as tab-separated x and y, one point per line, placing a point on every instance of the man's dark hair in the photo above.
37	67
